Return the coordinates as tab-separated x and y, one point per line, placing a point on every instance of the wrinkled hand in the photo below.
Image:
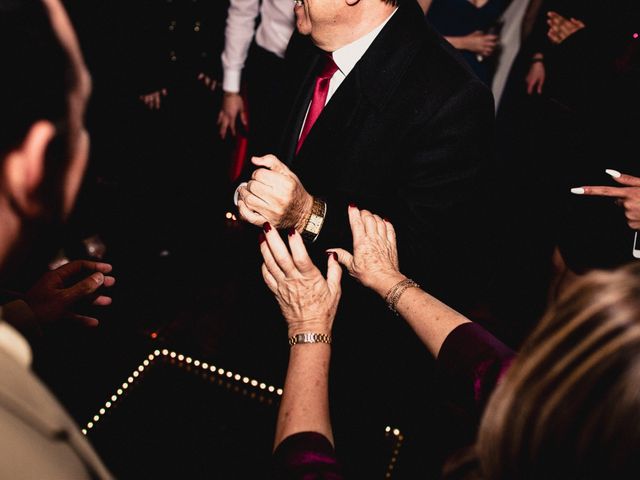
275	195
52	298
208	82
561	28
153	100
628	197
308	301
374	262
232	107
481	43
536	78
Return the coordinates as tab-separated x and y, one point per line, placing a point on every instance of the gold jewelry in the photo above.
314	222
309	337
393	296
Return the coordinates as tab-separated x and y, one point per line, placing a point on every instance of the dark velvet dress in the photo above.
471	362
457	18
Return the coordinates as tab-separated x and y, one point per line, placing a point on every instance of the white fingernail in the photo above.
613	173
578	191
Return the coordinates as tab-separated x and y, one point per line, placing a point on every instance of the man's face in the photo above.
318	17
78	97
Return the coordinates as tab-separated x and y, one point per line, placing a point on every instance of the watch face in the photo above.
314	224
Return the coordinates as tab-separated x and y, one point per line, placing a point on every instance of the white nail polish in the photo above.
613	173
578	191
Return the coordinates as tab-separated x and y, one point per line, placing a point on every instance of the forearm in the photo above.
430	319
305	401
239	32
425	5
458	42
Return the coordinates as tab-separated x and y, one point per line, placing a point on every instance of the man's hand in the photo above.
275	195
232	106
153	100
561	28
53	297
536	78
627	197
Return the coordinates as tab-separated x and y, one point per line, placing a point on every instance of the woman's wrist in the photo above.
386	282
319	327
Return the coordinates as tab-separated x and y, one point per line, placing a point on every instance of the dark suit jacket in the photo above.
408	136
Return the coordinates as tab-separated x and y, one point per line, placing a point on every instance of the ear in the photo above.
23	169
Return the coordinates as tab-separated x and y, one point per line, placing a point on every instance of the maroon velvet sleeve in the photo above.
470	364
306	456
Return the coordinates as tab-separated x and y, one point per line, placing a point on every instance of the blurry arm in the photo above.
425	5
238	36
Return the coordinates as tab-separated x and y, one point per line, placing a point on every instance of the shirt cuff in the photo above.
231	81
236	194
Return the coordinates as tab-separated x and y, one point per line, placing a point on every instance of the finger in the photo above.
624	179
369	222
279	251
334	273
200	76
270	262
381	230
102	301
249	215
269	279
164	92
355	220
244	119
530	86
272	163
85	287
390	232
83	320
260	190
232	126
344	258
251	201
540	85
299	252
109	281
77	267
601	191
266	176
224	125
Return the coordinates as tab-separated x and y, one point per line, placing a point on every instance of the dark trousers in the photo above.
265	75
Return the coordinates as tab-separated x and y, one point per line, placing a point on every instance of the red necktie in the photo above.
320	92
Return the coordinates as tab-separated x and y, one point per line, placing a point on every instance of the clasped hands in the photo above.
274	195
561	28
308	300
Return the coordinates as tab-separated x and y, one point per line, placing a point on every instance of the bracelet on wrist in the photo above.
393	296
309	337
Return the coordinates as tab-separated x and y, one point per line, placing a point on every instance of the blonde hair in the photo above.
570	405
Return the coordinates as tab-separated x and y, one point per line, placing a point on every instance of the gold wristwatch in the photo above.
315	220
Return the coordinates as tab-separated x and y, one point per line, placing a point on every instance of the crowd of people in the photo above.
360	136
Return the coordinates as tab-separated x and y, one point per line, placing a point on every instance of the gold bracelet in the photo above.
309	337
393	296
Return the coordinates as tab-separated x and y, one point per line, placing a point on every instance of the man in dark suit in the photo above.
399	126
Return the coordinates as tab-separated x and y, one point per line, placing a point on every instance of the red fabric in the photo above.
239	152
320	92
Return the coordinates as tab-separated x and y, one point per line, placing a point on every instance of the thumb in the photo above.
85	287
334	272
344	258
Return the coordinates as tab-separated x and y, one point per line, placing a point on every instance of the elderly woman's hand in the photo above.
308	301
374	262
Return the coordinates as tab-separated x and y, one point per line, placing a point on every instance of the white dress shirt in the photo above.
273	34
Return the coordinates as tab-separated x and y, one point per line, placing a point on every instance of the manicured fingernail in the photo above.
266	227
613	173
292	232
352	205
335	256
578	191
261	238
386	220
